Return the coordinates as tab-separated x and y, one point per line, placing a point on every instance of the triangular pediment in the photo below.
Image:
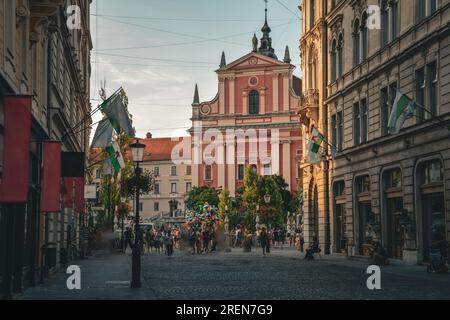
253	60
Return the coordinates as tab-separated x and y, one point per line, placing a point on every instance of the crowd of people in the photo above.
276	238
158	240
202	241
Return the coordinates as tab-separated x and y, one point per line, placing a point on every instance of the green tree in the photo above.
250	197
198	196
224	202
272	213
285	193
110	185
296	204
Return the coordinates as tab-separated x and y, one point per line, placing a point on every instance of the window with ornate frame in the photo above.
254	102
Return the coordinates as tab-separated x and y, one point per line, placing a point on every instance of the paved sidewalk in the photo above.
396	267
104	276
283	274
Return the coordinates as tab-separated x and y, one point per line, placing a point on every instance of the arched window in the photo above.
356	43
254	102
364	37
340	49
333	60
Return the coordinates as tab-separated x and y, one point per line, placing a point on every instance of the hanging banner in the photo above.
73	164
16	149
51	177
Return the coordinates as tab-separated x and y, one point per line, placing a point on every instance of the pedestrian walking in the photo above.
149	240
199	242
192	240
168	242
302	241
128	241
263	240
214	242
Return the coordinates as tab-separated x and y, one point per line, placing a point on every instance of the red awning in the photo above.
16	149
51	177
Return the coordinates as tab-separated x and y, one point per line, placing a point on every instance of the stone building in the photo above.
313	114
42	57
391	188
252	121
173	180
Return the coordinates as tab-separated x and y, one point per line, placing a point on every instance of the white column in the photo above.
221	166
275	151
287	162
275	89
231	167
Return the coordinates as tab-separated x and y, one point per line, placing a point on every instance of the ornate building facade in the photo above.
252	121
313	114
384	187
42	57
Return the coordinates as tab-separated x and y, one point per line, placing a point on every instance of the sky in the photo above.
157	50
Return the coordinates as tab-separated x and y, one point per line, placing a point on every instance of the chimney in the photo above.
149	135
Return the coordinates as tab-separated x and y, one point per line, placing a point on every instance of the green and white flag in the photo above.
116	157
314	147
402	109
115	110
103	135
107	167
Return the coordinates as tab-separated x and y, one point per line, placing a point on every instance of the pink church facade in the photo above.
252	121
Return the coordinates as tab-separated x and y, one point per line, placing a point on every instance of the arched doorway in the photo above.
339	199
313	211
394	238
365	218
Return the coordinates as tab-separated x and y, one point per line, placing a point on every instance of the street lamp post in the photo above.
137	151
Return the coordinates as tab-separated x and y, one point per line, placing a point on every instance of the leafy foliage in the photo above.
224	202
198	196
145	181
255	188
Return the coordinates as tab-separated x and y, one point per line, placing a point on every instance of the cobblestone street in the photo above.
243	276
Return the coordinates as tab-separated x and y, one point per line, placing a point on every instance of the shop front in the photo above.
393	235
340	237
366	219
432	207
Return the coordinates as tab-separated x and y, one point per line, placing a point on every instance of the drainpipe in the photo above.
325	126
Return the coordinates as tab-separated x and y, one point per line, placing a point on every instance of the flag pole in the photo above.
99	108
433	116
